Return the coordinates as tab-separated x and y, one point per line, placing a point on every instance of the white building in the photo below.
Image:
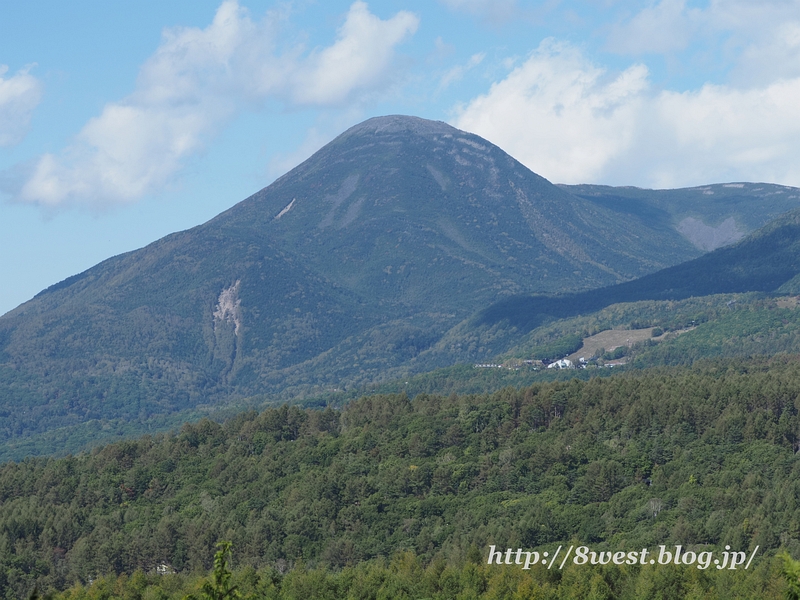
561	364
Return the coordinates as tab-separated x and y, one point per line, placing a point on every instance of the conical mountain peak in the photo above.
396	206
401	124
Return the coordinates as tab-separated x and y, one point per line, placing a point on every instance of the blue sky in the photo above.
122	122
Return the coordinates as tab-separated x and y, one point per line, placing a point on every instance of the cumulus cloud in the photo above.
756	42
572	121
719	133
19	95
776	56
558	114
357	59
194	83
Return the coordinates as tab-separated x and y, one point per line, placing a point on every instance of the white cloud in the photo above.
572	122
777	56
457	73
559	115
19	95
756	42
195	82
660	28
719	133
357	60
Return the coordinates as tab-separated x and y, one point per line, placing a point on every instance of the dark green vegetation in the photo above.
405	577
363	264
702	456
720	325
746	329
725	325
696	292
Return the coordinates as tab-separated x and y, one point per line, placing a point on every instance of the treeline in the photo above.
758	327
703	457
726	325
405	577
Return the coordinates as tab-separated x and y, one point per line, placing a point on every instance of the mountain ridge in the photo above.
707	216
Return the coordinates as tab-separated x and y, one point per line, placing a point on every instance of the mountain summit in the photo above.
418	213
340	272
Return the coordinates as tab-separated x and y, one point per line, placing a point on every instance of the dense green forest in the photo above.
703	456
405	577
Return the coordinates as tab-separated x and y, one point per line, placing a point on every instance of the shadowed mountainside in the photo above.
763	262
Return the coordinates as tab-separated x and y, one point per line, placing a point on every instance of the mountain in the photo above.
762	262
708	216
417	213
340	273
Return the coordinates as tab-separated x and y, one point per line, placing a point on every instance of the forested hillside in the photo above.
702	456
404	576
721	325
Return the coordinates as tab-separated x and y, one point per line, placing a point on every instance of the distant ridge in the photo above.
762	262
707	216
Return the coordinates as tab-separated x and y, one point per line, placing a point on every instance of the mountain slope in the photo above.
762	262
416	212
768	260
709	216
